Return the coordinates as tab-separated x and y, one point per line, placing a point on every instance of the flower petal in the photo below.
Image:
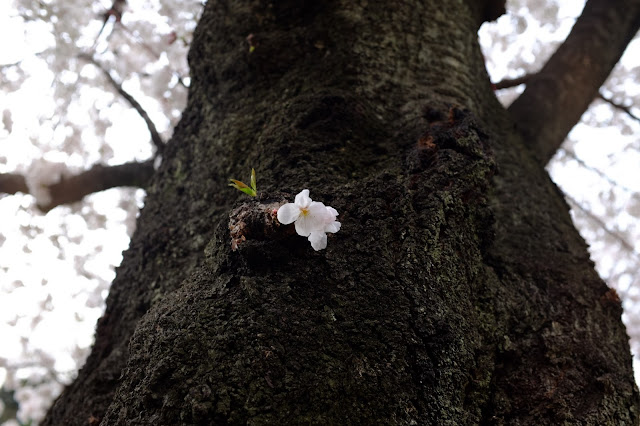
319	211
333	212
333	227
302	199
305	226
311	219
318	240
288	213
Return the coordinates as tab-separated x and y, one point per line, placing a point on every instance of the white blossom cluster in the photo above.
312	219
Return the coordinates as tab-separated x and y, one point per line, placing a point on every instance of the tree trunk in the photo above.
457	291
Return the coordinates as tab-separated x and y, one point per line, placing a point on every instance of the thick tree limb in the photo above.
74	188
524	79
11	183
155	136
557	96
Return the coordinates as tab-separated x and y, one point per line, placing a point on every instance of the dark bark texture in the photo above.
456	293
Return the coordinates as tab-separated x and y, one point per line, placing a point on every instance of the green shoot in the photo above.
252	191
253	180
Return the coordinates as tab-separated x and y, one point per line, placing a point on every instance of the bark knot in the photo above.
256	221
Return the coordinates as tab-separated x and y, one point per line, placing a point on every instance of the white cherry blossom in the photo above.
318	238
312	219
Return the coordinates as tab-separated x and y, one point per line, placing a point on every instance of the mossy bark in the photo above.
457	291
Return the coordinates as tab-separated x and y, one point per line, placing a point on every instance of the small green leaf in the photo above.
253	180
241	186
244	188
248	191
237	184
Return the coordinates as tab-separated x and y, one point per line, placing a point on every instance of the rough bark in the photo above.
452	294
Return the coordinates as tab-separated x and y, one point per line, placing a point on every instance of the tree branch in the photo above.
570	153
623	242
155	136
13	64
512	82
11	183
74	188
557	96
621	107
